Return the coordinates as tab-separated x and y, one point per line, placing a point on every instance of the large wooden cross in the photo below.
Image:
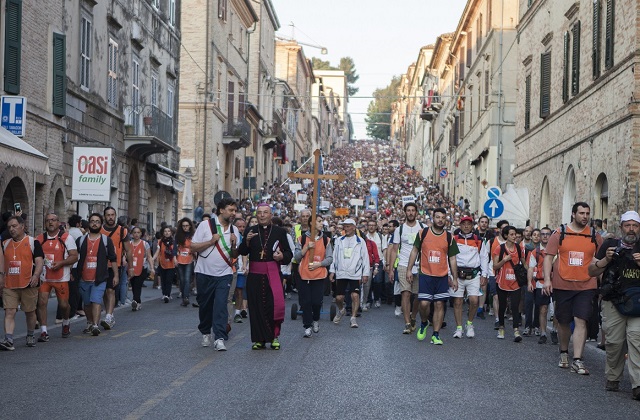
314	198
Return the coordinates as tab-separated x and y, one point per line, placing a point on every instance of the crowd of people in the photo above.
408	245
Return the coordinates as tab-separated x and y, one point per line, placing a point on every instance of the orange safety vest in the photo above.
318	256
18	262
538	271
575	254
166	263
117	236
506	276
54	250
138	252
434	258
184	253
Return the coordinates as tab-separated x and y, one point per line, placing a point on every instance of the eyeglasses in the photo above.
93	222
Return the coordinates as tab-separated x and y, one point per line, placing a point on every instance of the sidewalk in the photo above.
148	293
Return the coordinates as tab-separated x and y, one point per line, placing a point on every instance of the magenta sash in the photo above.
272	270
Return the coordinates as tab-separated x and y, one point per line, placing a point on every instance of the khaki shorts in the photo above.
404	284
26	298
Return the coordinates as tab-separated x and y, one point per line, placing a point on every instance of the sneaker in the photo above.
275	344
165	299
413	324
422	332
554	337
398	311
501	333
601	346
195	304
471	332
516	336
44	337
108	324
66	331
458	333
365	307
134	306
542	339
237	319
526	332
218	345
564	361
613	386
7	345
536	332
258	346
58	321
578	367
127	301
496	325
481	314
76	316
339	315
185	302
407	329
436	340
491	312
206	340
87	329
444	324
354	323
31	341
95	331
243	313
307	333
315	327
377	304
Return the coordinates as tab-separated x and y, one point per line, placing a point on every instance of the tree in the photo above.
346	64
378	117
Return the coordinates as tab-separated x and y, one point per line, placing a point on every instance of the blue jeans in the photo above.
121	289
184	275
212	298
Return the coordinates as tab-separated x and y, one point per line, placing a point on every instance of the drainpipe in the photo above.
500	110
206	101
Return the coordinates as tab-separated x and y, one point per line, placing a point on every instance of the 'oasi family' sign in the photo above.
91	174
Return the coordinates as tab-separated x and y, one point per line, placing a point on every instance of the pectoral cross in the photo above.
314	198
262	254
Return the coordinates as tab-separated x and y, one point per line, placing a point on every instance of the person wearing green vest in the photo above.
298	230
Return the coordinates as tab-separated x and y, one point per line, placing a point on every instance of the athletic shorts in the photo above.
492	286
472	287
241	281
540	298
61	288
572	303
433	289
91	292
341	286
405	286
26	298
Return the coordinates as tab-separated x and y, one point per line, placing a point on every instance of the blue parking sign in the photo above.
14	113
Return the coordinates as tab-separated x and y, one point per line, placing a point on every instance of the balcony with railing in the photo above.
237	134
149	133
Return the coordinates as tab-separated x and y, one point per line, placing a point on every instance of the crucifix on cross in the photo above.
314	198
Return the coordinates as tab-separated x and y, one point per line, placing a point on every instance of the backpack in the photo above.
82	238
325	240
421	226
519	269
62	237
563	232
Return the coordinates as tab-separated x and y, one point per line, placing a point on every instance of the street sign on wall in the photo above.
14	114
91	174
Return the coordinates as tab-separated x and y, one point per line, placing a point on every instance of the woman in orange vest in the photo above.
505	257
184	257
312	275
166	257
142	266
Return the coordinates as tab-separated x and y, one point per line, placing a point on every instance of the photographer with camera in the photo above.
619	260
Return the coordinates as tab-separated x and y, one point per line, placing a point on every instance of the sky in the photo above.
383	37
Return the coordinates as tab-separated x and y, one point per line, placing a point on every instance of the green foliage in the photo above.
319	64
378	117
347	65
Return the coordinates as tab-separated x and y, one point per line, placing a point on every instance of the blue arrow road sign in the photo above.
493	208
494	192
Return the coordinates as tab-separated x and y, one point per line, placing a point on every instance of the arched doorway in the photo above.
569	197
59	207
545	204
16	192
133	210
601	198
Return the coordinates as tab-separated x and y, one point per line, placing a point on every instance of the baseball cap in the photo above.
466	219
630	216
349	222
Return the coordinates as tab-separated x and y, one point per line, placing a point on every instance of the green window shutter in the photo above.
575	62
59	75
609	34
595	55
565	68
527	102
545	84
12	46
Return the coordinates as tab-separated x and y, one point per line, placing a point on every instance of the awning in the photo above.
16	152
169	181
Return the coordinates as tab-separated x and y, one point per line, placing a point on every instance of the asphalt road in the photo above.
152	365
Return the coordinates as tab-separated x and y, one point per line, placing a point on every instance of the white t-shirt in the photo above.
210	262
409	234
66	270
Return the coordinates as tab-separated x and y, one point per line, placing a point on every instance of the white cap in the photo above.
349	222
630	215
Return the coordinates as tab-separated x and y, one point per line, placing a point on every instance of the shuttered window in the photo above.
595	54
59	75
112	74
609	34
85	52
545	84
469	48
222	9
12	46
565	67
527	102
486	89
462	65
575	60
